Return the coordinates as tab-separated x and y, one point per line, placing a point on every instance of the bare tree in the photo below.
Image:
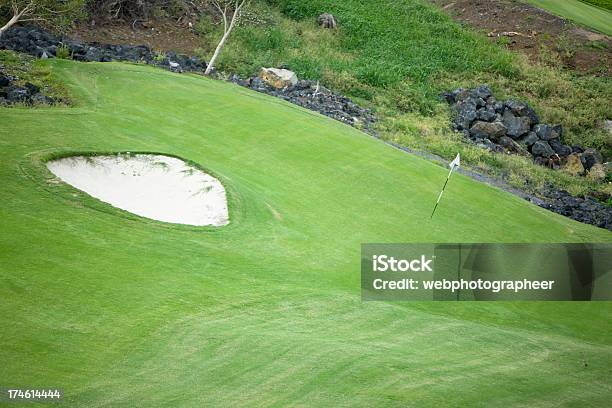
19	10
35	10
229	10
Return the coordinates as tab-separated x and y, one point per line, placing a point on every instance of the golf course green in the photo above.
119	310
580	12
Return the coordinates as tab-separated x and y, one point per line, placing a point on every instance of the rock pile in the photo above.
281	83
313	96
39	43
584	209
28	94
514	127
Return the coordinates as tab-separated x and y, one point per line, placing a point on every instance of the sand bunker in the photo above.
158	187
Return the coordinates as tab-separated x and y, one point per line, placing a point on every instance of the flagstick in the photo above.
453	165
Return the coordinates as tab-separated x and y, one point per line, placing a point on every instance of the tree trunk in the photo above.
211	63
10	23
226	32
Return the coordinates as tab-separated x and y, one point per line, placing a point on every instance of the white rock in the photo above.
278	78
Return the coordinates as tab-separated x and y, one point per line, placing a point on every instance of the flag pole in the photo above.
454	164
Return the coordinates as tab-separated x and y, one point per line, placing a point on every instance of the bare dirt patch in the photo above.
159	35
543	37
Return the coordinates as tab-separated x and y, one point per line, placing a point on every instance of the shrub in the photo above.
63	52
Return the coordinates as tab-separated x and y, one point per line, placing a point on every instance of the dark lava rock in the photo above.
548	132
583	208
35	41
519	119
482	92
560	148
522	109
590	157
542	148
517	126
4	80
465	114
490	130
17	94
313	96
487	114
529	139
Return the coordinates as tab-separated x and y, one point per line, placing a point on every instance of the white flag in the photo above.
456	162
453	165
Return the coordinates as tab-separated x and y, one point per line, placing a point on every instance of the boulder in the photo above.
517	126
489	130
573	165
597	172
465	114
542	148
327	20
548	132
522	109
591	157
529	139
482	92
560	148
17	94
487	114
279	78
513	147
4	80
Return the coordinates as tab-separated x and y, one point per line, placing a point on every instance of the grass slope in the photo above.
580	12
398	56
122	311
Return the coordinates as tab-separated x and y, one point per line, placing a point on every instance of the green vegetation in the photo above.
397	57
59	14
607	4
580	12
26	68
63	52
123	311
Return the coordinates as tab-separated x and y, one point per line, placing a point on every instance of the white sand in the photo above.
158	187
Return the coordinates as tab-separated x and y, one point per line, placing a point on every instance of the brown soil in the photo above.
159	35
543	37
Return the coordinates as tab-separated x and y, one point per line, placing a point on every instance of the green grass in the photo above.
397	57
122	311
580	12
25	68
607	4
